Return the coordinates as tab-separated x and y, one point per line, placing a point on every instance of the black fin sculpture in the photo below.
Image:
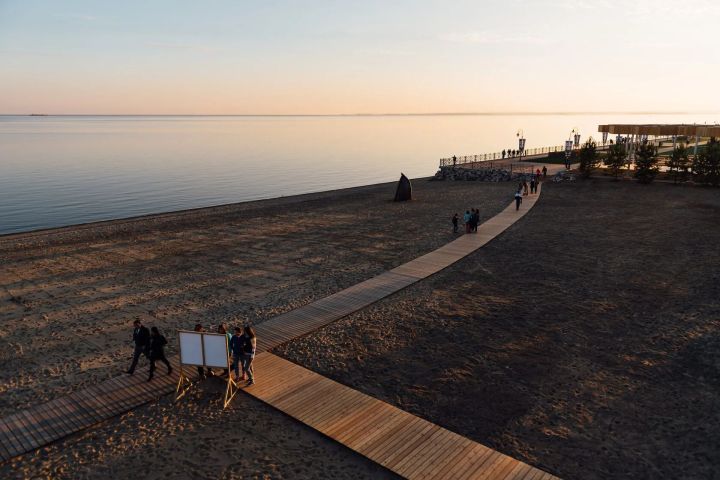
404	189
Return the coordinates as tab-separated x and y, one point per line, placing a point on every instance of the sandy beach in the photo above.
584	340
69	297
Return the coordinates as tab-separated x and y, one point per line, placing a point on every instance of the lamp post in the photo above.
521	141
568	153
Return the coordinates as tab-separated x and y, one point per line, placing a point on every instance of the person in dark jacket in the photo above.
223	328
201	372
455	220
141	339
249	354
157	351
237	349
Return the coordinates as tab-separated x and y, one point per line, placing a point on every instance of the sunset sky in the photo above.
321	57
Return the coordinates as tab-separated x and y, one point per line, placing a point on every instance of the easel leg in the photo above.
183	385
230	391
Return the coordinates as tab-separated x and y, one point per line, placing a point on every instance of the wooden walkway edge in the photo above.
399	441
40	425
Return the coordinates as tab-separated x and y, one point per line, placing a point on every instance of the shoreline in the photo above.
208	211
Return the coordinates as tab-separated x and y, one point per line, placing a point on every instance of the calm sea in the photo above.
65	170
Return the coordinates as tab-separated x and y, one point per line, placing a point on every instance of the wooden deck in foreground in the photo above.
399	441
369	419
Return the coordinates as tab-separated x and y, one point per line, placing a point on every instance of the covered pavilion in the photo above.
662	130
641	131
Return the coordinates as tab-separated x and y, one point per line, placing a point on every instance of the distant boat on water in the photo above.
38	114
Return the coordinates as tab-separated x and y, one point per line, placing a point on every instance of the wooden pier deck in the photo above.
30	429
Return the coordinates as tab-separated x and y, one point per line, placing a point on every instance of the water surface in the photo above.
63	170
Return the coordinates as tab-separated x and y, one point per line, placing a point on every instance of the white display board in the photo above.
215	350
191	348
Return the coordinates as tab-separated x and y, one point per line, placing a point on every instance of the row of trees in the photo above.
704	167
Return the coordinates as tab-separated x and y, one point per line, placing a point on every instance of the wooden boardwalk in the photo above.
303	320
30	429
399	441
40	425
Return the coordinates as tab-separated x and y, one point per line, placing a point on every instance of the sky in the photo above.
349	57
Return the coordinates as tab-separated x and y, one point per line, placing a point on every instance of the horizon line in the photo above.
387	114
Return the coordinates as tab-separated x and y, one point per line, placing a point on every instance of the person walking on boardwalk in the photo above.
533	187
157	351
249	354
544	171
474	220
141	339
237	350
518	200
537	175
466	221
455	220
525	187
454	160
222	328
201	372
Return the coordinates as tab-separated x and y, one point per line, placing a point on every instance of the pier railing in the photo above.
486	157
527	154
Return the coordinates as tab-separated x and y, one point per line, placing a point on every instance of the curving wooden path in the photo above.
35	427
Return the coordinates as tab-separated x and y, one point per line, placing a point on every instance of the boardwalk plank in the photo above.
19	432
11	443
407	445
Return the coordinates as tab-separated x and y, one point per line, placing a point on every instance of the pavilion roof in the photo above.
662	129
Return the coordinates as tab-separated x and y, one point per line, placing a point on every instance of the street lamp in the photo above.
521	141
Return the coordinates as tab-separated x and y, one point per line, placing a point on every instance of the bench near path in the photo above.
40	425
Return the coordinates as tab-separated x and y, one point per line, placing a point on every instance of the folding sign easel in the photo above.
201	349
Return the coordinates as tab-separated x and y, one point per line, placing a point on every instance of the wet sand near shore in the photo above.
584	340
68	297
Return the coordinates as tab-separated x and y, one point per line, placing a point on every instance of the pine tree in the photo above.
710	163
588	156
615	158
679	163
646	160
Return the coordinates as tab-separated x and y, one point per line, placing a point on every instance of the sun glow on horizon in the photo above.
81	57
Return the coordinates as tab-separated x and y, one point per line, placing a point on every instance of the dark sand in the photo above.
584	340
68	298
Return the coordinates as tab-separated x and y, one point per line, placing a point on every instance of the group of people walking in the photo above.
524	188
471	218
241	349
151	343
